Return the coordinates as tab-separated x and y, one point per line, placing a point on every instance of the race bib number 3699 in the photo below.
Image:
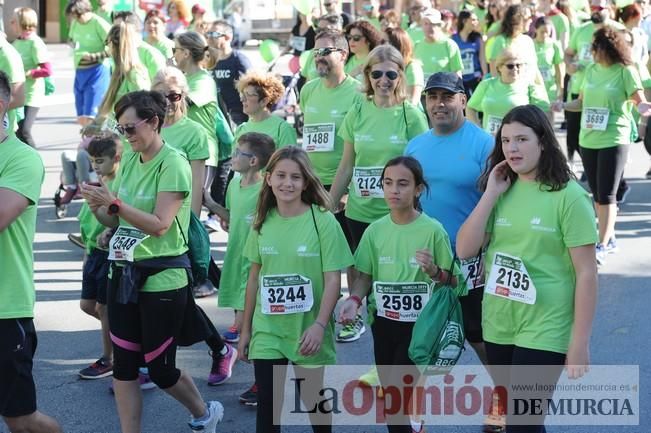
286	294
595	118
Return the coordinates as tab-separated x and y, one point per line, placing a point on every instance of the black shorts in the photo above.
17	347
94	282
471	309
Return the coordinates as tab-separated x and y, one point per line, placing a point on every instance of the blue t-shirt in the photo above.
226	73
469	56
452	165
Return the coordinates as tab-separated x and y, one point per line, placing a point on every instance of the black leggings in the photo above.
356	229
508	354
24	132
573	120
220	181
146	332
391	341
271	391
604	169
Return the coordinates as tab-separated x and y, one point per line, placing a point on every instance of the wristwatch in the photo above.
114	207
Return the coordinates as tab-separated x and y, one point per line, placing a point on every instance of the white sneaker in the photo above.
215	412
212	224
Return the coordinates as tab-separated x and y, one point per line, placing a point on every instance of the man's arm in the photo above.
17	95
13	205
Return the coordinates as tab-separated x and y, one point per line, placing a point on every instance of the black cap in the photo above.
445	80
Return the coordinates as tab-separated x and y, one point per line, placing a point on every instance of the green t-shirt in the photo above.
204	111
539	227
188	137
549	55
416	34
165	46
151	58
323	105
12	65
386	252
89	226
241	202
609	87
440	56
282	132
33	52
106	15
377	135
89	37
295	246
138	185
352	63
561	24
414	73
495	98
522	44
137	79
21	171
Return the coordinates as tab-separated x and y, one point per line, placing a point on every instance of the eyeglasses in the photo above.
355	38
214	35
129	129
248	95
174	97
391	75
327	4
326	51
513	65
237	152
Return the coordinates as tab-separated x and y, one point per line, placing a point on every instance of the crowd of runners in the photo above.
425	157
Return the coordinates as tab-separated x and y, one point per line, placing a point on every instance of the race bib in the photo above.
367	182
547	74
471	269
468	64
493	124
402	302
585	54
595	119
124	243
509	279
286	294
298	43
319	137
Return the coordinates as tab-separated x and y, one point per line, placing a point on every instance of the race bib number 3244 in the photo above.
286	294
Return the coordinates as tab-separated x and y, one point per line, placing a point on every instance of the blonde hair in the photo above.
508	54
26	18
122	39
314	193
385	53
269	86
173	74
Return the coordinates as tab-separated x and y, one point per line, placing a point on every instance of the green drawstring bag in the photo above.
198	243
437	339
49	86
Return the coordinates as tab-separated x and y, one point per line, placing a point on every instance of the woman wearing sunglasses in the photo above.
155	27
151	212
362	38
512	33
496	96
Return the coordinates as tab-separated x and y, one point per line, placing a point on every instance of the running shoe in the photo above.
208	424
601	254
495	422
611	246
222	366
648	174
68	195
421	427
232	335
97	370
212	224
76	240
204	289
622	193
352	331
144	381
250	396
370	378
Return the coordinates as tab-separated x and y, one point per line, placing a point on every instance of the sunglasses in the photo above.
355	38
237	152
391	75
327	4
214	35
323	52
248	95
129	129
174	97
513	65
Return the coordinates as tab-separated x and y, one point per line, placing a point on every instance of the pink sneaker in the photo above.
68	195
222	366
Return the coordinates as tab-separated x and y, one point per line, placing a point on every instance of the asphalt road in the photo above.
69	340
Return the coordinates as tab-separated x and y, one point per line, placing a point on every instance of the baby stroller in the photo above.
287	108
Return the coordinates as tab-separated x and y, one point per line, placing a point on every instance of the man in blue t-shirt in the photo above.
453	155
231	65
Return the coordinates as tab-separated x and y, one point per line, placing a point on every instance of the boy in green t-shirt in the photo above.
105	154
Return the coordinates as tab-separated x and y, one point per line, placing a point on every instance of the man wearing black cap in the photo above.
453	154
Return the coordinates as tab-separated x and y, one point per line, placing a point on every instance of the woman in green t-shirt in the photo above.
496	96
413	67
540	268
151	214
512	32
610	88
297	251
362	38
155	26
550	61
416	255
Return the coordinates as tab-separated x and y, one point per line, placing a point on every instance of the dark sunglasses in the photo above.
323	52
174	97
327	4
391	75
355	38
214	35
513	65
129	129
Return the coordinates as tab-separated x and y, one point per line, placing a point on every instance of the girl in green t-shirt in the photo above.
413	67
399	259
550	61
297	251
540	269
362	38
155	26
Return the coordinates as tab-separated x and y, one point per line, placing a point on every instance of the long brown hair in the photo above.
314	193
